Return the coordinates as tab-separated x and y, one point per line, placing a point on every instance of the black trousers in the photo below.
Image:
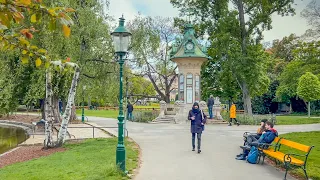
194	140
230	121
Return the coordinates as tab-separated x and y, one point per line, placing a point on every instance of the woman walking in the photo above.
233	114
198	119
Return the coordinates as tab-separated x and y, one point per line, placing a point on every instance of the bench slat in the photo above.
295	145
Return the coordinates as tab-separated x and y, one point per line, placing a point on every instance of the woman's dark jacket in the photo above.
196	126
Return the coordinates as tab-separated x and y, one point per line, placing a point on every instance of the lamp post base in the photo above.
121	157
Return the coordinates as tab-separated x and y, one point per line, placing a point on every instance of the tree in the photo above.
13	33
311	14
140	88
218	82
150	46
230	27
305	60
309	88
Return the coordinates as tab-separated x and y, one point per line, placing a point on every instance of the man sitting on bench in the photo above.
267	137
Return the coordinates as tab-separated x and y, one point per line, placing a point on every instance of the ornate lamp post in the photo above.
121	38
82	115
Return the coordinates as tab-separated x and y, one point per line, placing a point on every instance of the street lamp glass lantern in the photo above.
121	38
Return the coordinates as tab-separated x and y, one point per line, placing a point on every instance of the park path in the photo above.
166	151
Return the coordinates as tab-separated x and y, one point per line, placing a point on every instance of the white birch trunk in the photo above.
67	112
48	142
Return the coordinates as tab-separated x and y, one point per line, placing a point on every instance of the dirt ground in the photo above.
22	118
25	153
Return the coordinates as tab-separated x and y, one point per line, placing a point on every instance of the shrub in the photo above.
144	116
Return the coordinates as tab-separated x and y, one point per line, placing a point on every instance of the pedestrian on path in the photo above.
233	114
130	110
210	106
198	119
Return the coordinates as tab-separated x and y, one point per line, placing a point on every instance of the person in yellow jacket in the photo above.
233	114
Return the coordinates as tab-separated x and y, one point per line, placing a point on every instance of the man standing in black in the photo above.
210	106
130	109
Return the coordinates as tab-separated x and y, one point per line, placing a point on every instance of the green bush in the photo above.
144	116
248	120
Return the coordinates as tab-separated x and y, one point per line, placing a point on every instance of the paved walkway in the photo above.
166	151
75	131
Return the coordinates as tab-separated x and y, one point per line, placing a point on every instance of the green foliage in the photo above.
150	47
141	86
89	46
144	116
309	87
92	159
16	26
305	60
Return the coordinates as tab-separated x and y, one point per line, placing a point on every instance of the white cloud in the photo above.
117	8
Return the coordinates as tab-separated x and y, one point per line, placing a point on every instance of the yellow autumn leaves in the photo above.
15	12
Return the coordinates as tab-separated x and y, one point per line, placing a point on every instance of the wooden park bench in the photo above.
240	111
288	159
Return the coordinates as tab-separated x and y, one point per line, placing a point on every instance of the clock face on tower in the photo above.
189	46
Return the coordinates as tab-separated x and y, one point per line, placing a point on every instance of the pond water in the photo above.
10	138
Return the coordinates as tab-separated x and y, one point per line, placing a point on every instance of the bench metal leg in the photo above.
305	173
286	165
263	157
285	176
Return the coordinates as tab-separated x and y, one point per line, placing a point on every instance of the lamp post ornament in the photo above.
121	38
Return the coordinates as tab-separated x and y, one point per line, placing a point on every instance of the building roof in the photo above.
179	49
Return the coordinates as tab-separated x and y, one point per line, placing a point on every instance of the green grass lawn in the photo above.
307	138
103	113
99	113
93	159
287	120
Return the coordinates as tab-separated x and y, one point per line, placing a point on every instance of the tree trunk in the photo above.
55	109
70	104
42	104
244	86
73	115
246	99
48	142
309	109
242	27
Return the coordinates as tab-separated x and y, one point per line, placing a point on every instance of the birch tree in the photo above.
70	103
49	142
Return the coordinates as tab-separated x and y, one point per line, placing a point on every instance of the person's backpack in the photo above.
253	155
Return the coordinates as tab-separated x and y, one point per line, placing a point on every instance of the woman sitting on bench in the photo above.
250	137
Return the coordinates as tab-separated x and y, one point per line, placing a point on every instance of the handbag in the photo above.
202	119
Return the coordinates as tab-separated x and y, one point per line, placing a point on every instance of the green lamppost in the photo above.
82	115
121	39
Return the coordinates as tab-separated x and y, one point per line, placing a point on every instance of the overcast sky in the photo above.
282	26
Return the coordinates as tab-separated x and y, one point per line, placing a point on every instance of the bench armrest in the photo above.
264	145
287	157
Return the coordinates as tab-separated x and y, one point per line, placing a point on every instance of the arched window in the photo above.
181	87
189	88
197	88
